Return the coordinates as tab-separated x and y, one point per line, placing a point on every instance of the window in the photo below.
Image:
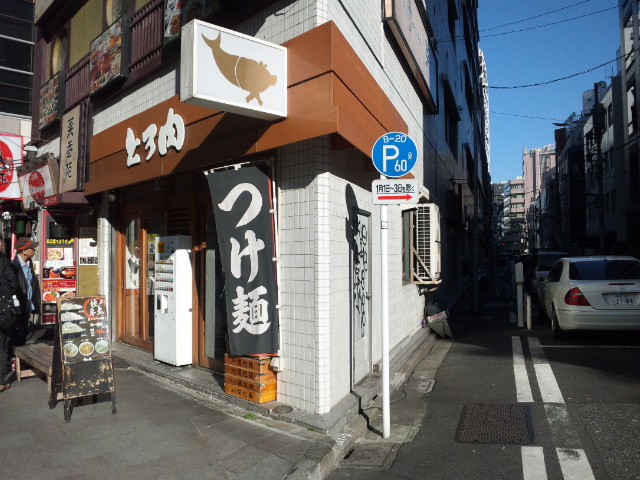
632	114
628	42
16	53
451	128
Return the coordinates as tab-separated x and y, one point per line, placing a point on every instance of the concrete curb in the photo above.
318	463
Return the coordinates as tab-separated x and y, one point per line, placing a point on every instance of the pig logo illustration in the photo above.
249	75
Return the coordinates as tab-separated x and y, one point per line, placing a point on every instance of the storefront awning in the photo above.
330	92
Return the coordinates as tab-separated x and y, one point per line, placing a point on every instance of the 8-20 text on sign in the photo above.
394	154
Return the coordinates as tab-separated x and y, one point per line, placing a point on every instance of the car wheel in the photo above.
555	327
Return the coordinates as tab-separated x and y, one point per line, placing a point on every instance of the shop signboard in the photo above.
59	261
51	101
228	71
82	354
36	185
407	21
242	208
11	147
180	12
108	56
83	329
70	149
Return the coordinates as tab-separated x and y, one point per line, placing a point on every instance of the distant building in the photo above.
513	219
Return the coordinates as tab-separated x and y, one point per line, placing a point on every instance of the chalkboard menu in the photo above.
81	352
83	329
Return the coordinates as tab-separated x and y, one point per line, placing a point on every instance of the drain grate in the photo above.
495	423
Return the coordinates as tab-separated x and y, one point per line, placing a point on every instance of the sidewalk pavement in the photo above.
177	422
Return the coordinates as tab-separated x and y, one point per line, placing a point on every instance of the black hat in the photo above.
23	243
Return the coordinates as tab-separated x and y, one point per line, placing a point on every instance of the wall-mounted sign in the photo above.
180	12
70	137
170	135
232	72
51	101
108	56
11	147
35	186
407	19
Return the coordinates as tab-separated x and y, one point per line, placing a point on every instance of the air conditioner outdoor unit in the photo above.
425	245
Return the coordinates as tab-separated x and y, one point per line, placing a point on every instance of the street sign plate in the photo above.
394	192
394	154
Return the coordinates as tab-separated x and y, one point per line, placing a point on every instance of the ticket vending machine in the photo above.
173	300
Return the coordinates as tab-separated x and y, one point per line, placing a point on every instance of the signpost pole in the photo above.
386	404
394	154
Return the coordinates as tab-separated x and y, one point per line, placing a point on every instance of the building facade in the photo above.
152	159
630	73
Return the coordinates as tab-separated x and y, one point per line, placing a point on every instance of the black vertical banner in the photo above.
241	206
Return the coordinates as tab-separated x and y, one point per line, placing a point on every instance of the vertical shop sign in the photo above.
69	149
242	210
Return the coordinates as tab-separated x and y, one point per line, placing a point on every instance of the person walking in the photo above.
28	287
8	287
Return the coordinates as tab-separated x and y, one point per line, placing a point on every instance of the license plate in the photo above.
621	299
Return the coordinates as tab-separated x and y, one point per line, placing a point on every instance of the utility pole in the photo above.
598	120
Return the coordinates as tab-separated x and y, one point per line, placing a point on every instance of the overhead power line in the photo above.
524	116
548	24
558	79
535	16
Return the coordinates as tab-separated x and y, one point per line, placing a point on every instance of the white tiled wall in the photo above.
312	181
153	92
317	188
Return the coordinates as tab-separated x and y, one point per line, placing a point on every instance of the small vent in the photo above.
180	220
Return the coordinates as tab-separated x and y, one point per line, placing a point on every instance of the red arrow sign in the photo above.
395	197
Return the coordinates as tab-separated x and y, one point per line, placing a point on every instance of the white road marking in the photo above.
574	464
523	387
547	383
533	467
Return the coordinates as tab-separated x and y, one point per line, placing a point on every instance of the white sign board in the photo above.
393	192
232	72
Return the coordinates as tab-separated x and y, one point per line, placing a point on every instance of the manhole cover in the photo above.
282	409
495	423
371	456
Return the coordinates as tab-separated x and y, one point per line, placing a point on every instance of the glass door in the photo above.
137	248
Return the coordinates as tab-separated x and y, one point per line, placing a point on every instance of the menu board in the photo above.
59	262
83	329
106	57
51	94
180	12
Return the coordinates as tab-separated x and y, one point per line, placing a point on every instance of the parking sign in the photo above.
394	154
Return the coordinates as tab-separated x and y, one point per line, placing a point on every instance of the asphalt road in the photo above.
580	397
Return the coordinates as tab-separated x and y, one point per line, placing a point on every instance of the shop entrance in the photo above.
136	264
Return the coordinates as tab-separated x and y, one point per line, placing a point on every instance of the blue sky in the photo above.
523	117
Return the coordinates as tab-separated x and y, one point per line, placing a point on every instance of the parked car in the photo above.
537	264
591	293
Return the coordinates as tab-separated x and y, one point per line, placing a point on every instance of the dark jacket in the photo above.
8	282
22	288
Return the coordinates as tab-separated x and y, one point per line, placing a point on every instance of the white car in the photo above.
591	293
